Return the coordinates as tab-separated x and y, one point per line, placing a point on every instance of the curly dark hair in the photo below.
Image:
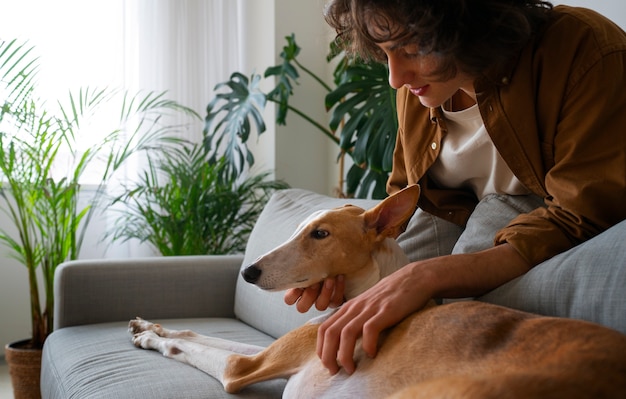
470	35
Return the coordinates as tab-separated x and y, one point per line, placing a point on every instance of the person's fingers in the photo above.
327	346
329	293
308	298
291	296
345	353
326	294
371	332
338	297
337	337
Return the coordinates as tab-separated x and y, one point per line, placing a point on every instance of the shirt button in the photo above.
433	146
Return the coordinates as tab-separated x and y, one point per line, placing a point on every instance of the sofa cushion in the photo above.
587	282
100	361
267	311
90	291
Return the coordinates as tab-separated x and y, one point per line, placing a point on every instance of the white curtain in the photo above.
183	46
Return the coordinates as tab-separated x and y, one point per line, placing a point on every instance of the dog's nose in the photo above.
251	274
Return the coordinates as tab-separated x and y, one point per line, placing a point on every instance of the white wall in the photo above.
303	158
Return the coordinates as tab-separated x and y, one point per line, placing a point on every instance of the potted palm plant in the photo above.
362	120
185	203
42	164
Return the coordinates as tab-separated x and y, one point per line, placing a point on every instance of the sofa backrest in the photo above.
266	311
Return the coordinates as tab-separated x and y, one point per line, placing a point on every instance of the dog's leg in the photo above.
139	325
282	359
212	361
230	362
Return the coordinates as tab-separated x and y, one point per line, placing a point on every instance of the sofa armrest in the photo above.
99	291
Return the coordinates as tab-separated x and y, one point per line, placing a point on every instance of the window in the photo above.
184	47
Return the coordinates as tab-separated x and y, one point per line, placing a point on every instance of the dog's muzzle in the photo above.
251	274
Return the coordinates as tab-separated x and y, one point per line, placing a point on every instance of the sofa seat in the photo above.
99	361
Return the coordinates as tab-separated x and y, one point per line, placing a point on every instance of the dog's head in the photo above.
346	240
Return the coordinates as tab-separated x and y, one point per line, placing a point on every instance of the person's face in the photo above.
416	71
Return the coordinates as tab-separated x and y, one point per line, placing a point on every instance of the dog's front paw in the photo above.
139	325
145	339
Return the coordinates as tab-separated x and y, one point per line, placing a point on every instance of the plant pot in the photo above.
25	369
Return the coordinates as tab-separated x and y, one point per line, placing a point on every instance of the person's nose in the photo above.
400	72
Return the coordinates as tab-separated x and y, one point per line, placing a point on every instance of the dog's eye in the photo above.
319	234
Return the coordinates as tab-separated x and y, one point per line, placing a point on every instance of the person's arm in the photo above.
579	106
408	290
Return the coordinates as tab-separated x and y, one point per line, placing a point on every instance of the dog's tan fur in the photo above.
459	350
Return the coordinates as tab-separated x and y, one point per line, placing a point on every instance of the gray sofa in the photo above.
90	355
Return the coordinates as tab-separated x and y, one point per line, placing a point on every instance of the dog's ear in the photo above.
389	217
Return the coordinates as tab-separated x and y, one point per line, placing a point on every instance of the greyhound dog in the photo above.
464	349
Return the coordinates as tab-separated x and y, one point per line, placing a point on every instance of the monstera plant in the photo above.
362	119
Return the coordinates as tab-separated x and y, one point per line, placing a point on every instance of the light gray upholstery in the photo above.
98	361
99	291
588	282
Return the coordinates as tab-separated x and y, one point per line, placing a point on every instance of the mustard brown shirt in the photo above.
557	115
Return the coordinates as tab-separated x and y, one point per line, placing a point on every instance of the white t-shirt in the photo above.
468	158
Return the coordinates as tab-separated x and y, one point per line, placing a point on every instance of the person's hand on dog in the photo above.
367	315
324	295
406	291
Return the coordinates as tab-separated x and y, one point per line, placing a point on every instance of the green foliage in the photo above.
41	166
242	106
187	204
362	107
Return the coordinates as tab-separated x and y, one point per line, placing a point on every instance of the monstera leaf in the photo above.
363	116
363	105
230	116
286	75
366	183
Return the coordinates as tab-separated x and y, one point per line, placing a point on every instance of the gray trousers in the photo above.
587	282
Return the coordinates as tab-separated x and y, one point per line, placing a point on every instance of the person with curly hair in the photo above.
512	119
